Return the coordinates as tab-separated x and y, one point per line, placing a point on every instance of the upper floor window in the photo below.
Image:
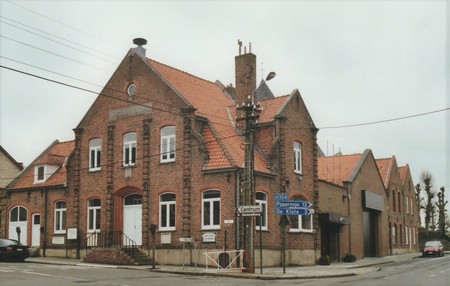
129	149
95	152
300	223
60	216
211	210
297	157
412	205
94	207
167	211
399	201
168	144
39	174
393	201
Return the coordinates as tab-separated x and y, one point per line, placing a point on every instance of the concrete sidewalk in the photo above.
341	269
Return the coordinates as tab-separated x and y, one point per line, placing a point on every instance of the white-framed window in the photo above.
297	158
39	174
95	152
60	217
167	209
18	214
261	200
300	223
168	144
412	206
129	149
394	233
211	209
407	205
93	217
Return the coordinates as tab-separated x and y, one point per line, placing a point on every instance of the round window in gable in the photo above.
131	89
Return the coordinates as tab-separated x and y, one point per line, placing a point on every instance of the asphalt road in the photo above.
428	271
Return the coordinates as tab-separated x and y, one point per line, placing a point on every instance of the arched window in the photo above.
300	223
297	158
60	217
93	217
95	152
211	209
18	214
168	144
129	149
167	211
261	200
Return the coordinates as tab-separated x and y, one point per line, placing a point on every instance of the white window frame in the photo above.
167	208
95	152
412	205
302	219
210	205
94	212
129	149
298	158
37	178
60	217
263	204
168	144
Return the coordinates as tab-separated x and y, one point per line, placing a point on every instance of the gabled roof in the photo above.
403	170
17	164
209	100
385	166
56	155
338	169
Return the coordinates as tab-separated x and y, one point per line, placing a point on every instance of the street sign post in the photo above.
294	211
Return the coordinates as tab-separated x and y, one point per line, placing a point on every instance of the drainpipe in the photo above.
349	191
236	224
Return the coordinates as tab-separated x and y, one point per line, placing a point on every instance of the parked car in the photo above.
12	250
433	247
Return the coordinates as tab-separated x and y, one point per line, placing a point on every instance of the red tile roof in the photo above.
403	170
384	167
337	169
57	154
224	144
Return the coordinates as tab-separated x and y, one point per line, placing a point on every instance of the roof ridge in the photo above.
179	70
344	155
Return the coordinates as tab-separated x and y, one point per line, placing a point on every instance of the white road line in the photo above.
40	274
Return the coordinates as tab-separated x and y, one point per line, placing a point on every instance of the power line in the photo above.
386	120
66	45
53	53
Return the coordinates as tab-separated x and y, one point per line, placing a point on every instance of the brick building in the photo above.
36	200
161	147
9	169
402	206
353	207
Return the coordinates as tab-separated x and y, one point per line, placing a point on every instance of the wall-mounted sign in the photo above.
209	237
58	240
185	239
72	233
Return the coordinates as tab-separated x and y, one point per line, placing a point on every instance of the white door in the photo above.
18	222
132	218
36	230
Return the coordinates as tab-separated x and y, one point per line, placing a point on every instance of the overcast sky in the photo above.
353	62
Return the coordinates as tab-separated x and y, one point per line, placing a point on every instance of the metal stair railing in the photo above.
113	240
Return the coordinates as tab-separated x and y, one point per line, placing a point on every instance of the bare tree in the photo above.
440	205
419	204
427	181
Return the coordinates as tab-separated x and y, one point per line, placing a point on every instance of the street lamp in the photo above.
250	116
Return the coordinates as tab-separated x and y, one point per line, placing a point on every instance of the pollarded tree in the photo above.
440	206
419	203
427	181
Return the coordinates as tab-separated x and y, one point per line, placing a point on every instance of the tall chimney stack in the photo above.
245	71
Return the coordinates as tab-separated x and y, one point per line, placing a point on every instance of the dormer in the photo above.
43	171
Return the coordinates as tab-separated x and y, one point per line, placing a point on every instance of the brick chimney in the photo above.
245	70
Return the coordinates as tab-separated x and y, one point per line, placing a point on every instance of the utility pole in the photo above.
250	114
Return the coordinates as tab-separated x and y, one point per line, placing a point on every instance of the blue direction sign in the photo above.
281	197
292	204
293	211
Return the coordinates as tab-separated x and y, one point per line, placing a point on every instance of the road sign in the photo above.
281	197
294	211
292	204
243	210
